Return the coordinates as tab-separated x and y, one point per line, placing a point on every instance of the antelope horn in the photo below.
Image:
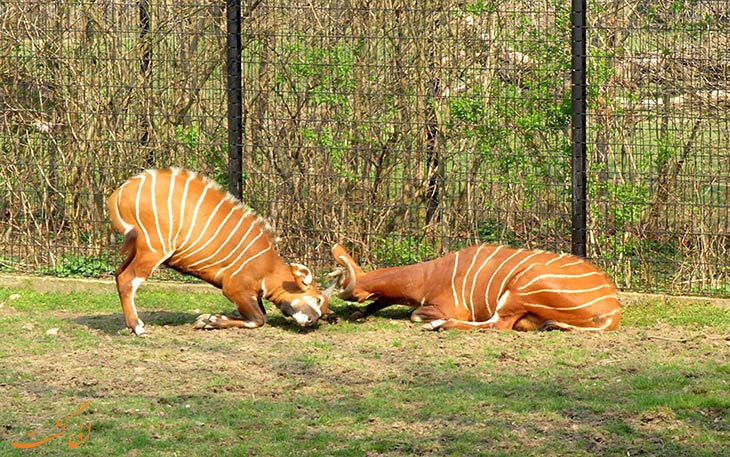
328	292
350	274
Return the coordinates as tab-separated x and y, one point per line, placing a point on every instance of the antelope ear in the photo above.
302	276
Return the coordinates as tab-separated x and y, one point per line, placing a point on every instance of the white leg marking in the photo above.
434	325
500	304
139	328
264	292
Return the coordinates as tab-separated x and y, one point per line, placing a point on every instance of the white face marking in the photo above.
301	318
312	303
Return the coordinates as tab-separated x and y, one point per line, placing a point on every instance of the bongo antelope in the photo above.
488	286
187	222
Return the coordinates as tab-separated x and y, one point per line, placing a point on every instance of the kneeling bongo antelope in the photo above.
488	286
187	222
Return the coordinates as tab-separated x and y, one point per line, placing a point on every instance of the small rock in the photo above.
52	331
28	326
14	297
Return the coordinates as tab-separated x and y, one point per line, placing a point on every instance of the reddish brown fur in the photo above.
488	286
189	223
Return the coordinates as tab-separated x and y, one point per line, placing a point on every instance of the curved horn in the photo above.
349	275
328	291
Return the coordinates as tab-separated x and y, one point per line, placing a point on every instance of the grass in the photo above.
658	386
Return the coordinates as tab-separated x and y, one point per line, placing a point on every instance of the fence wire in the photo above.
403	129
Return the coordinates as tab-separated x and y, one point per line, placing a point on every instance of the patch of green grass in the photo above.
674	311
381	386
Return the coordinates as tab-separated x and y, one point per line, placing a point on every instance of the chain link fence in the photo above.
403	129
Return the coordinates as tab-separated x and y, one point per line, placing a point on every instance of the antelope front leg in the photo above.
368	310
250	308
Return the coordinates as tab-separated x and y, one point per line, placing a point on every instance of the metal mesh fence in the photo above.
403	129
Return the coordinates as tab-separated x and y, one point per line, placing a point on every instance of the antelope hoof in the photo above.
209	321
204	321
139	329
357	316
436	325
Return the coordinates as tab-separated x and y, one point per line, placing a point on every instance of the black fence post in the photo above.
235	105
145	68
578	130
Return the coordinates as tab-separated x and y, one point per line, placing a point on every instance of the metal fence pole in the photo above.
145	68
235	106
578	130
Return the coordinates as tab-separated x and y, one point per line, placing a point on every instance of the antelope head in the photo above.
306	304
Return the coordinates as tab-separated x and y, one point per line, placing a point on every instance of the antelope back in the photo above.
537	278
190	222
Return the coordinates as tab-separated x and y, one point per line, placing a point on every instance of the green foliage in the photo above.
210	159
402	250
8	264
493	231
82	266
481	6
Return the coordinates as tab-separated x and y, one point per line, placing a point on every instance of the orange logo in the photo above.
62	425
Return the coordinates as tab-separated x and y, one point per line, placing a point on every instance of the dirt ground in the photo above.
91	355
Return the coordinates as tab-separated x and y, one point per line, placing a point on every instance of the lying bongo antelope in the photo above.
489	286
187	222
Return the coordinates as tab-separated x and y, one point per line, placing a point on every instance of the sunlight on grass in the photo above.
378	386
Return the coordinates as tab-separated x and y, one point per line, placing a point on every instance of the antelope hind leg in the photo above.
428	313
448	324
128	281
495	322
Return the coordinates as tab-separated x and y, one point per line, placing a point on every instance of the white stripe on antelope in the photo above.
177	218
489	286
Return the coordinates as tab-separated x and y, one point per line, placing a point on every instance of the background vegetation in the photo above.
404	129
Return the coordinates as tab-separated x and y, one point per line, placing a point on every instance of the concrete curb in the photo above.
44	284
